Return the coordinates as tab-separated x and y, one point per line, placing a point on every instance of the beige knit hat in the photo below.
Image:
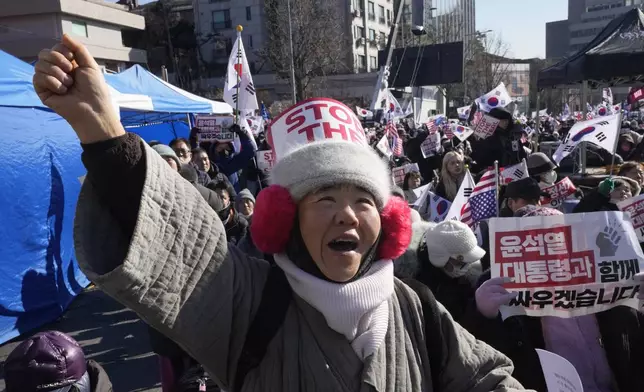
452	239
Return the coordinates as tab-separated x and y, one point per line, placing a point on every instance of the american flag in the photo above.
482	203
397	143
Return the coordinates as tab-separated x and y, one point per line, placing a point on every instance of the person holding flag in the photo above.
504	145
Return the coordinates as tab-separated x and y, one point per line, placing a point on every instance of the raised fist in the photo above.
69	81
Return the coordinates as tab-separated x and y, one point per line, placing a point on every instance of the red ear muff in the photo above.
396	229
273	219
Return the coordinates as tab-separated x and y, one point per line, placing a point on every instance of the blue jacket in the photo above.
236	162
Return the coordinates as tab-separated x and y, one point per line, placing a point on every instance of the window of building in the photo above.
250	41
383	37
371	10
221	19
381	14
373	62
388	16
362	62
372	34
248	14
79	28
360	32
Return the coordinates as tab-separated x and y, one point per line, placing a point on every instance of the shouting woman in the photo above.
147	238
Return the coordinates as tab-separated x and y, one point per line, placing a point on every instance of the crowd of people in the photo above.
319	276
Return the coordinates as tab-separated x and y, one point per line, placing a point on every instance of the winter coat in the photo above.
622	336
98	378
180	275
454	293
499	147
232	164
236	228
216	177
595	201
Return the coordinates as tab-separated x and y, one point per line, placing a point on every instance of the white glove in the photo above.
492	295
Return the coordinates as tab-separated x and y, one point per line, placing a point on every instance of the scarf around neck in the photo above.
357	309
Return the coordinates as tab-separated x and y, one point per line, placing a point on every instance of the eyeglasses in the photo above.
183	152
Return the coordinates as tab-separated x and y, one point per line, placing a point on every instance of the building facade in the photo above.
586	18
28	26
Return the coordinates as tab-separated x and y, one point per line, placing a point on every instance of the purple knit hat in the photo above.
47	361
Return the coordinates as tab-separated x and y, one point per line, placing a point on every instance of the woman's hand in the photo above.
69	81
492	295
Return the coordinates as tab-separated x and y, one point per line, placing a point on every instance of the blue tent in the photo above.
41	172
165	97
16	88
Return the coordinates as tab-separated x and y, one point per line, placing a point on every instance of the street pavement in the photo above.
109	334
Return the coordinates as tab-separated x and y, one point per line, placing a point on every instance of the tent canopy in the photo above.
16	88
165	97
614	56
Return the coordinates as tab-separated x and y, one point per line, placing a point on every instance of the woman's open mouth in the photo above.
345	243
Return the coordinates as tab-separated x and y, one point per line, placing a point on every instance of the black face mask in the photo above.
300	256
224	213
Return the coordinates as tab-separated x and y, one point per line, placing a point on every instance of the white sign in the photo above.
215	128
265	160
559	373
635	207
486	126
567	265
400	172
314	120
431	145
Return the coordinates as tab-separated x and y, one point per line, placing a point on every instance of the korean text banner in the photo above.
566	265
635	207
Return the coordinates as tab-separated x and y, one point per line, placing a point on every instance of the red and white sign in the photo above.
315	119
558	193
400	172
265	160
486	126
215	128
566	265
635	207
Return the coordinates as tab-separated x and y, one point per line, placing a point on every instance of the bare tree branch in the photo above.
319	47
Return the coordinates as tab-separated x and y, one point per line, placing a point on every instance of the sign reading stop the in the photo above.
313	120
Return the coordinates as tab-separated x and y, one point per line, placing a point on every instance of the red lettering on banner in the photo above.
296	119
317	113
310	132
329	131
542	258
335	110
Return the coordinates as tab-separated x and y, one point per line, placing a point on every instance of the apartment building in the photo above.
369	23
27	26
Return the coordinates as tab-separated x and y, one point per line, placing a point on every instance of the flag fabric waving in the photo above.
239	80
497	98
462	196
264	112
460	131
513	173
384	147
602	131
438	207
463	112
482	203
397	143
364	113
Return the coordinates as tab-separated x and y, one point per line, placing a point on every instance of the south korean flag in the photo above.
601	131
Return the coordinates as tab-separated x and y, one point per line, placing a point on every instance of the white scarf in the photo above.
358	310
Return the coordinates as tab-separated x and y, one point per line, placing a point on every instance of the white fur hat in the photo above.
452	239
326	163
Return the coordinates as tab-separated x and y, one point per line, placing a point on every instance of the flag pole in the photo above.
496	185
240	28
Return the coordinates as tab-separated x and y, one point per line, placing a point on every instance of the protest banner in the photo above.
559	373
566	265
214	128
431	145
558	193
635	207
400	172
312	120
486	126
265	160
